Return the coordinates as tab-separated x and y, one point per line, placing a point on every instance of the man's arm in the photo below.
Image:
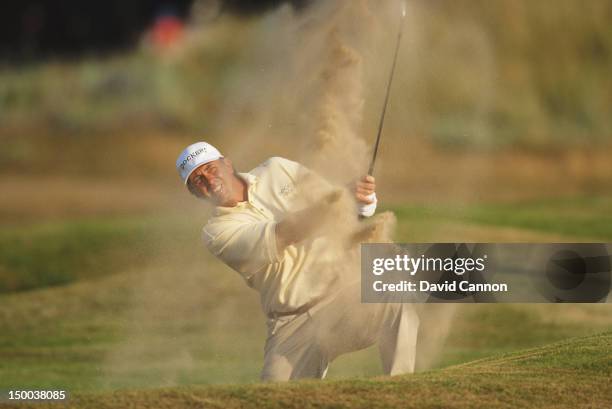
297	226
302	224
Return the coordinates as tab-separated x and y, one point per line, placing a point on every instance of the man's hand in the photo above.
365	189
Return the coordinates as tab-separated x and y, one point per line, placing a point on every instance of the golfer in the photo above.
313	316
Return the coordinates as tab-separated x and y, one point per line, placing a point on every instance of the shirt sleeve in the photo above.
246	247
306	178
314	182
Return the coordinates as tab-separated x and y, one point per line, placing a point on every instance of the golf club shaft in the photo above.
384	111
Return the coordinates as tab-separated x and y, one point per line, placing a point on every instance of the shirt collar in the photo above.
250	178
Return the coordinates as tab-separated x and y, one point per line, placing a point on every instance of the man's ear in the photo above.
228	162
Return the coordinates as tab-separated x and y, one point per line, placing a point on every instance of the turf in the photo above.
571	374
59	253
175	316
575	218
34	256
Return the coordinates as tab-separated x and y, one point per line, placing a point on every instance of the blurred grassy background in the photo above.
499	129
481	75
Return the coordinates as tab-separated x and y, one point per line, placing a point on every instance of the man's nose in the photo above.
208	179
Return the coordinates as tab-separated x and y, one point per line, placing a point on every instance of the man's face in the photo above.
213	181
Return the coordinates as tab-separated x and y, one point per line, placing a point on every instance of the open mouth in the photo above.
216	189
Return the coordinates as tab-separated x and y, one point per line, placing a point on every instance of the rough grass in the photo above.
34	256
183	324
179	317
59	253
565	219
570	374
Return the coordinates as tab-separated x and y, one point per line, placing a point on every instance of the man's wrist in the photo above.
367	210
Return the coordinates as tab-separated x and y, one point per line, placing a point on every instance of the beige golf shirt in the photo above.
243	237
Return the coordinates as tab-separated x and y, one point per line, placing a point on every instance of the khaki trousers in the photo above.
302	346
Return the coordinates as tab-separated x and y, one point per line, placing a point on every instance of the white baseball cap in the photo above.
194	156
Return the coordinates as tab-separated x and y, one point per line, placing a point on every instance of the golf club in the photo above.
384	110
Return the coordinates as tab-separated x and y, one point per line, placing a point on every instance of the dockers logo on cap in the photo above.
191	156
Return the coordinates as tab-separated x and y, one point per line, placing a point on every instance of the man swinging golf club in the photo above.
254	230
312	317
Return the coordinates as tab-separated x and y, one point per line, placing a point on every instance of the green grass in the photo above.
35	256
580	219
173	315
568	374
59	253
